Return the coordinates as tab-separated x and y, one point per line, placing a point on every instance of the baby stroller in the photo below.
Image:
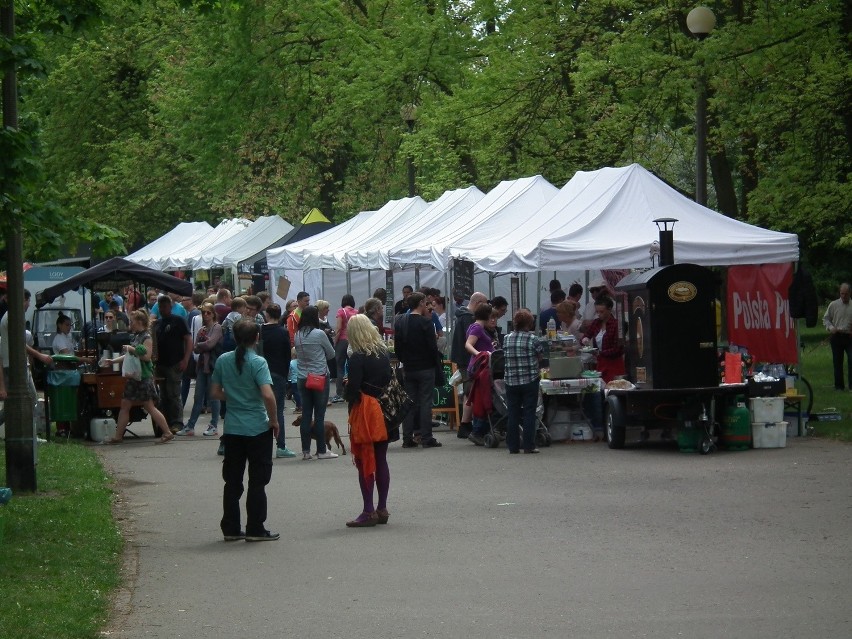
498	419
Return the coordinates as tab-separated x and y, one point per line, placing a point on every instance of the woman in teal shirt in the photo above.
242	378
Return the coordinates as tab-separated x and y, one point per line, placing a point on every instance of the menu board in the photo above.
463	277
444	398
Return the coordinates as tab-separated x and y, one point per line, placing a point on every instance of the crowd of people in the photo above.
247	356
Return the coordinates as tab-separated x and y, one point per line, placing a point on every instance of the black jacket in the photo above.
415	342
458	353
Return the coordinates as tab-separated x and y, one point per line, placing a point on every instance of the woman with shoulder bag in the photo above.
369	374
313	351
208	347
144	389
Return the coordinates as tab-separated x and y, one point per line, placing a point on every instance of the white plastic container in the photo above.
581	433
767	409
101	429
769	435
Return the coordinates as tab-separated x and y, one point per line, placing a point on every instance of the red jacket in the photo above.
480	389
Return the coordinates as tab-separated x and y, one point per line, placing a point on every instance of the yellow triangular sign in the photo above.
314	216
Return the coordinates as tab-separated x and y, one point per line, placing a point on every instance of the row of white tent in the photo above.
199	246
599	219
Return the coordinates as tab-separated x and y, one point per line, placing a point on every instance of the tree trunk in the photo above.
723	182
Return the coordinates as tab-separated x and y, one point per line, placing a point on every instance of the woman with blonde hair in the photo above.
566	313
369	374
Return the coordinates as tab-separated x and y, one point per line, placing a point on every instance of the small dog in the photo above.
331	433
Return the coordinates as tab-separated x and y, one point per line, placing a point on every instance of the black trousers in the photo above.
841	344
257	452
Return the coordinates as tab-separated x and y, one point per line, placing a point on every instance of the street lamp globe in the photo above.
700	22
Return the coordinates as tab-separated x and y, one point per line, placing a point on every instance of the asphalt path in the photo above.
578	541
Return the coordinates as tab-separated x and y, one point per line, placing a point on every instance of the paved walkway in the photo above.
579	541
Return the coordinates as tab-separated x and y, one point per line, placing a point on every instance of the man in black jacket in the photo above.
417	348
459	355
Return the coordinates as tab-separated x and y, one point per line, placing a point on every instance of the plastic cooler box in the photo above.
769	435
766	409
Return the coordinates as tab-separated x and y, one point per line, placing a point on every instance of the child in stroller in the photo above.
488	398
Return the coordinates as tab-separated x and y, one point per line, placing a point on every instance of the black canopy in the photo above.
114	274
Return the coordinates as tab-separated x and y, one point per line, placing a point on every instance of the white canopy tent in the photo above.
393	215
293	256
604	219
185	255
373	252
504	204
150	254
259	236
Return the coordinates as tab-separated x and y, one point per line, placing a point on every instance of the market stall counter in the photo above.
573	408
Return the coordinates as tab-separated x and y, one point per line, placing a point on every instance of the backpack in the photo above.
228	341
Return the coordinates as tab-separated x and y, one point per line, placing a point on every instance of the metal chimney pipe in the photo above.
666	239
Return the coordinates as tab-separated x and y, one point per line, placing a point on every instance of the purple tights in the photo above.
382	479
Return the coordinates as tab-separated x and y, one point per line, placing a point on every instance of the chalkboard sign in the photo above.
445	399
389	298
463	277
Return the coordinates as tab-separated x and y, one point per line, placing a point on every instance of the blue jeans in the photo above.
297	397
593	409
279	389
313	413
521	402
340	357
420	387
203	382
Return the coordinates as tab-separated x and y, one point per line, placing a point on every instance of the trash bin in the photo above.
62	394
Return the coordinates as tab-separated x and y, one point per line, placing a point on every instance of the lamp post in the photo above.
408	113
700	22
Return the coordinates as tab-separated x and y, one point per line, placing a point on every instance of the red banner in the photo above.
759	312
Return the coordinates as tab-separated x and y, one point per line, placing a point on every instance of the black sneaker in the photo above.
432	443
476	439
264	536
240	535
409	443
465	428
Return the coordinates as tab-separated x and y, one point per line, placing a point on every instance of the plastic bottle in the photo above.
551	328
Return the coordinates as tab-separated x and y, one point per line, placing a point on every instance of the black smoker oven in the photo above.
672	327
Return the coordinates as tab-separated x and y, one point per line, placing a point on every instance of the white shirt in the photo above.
838	315
63	343
4	342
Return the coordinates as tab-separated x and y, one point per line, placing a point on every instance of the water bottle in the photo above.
551	328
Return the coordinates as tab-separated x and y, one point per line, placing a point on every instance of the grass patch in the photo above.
817	368
60	549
